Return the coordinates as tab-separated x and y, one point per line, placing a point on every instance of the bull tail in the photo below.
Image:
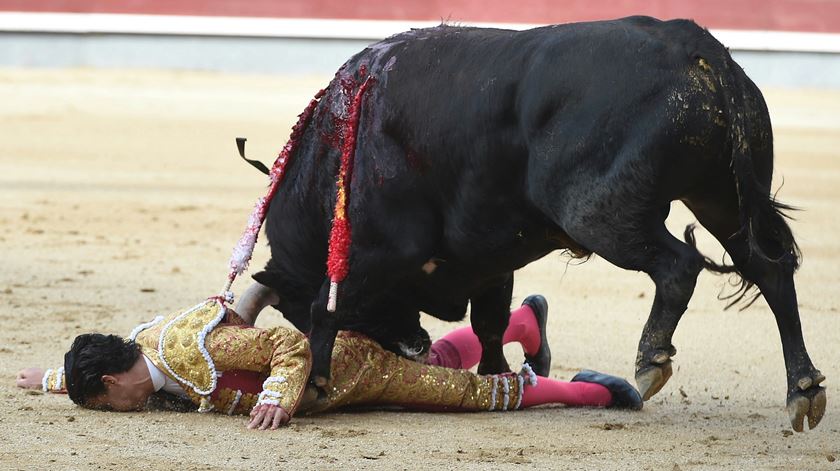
744	287
762	216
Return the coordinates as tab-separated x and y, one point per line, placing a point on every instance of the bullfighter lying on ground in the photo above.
211	356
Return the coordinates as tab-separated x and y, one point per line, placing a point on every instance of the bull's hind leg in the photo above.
643	243
719	214
674	271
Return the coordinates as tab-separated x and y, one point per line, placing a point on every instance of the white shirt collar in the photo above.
158	378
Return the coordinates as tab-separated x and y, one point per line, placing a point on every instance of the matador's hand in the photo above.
29	378
265	416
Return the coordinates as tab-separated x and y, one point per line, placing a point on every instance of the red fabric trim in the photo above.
242	380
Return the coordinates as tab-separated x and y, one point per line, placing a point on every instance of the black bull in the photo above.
481	150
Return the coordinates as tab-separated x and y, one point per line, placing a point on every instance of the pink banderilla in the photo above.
244	249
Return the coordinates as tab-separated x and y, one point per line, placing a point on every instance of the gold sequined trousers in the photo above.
364	374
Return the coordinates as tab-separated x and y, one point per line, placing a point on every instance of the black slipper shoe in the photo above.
624	395
541	361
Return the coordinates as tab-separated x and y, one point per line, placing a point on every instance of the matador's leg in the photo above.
462	349
376	377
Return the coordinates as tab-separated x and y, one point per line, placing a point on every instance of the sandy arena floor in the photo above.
121	195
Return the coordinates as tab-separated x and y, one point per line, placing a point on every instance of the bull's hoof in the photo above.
651	379
806	402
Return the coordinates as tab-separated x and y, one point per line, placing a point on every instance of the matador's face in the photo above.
122	394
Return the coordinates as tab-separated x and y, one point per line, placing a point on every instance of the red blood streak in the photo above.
341	233
278	170
415	161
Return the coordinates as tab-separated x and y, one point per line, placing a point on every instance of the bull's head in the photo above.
396	327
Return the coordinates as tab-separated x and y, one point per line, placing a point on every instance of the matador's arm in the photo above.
282	354
51	380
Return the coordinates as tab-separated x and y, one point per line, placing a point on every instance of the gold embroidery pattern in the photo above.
53	380
277	352
181	346
225	399
246	403
363	373
271	352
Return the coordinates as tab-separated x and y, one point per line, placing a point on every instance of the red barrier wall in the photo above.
787	15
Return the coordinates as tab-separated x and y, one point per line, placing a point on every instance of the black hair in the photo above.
90	357
163	400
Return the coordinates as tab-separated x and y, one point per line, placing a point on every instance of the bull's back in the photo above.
461	116
483	96
459	121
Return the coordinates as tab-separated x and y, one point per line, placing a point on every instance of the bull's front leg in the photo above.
489	315
354	298
322	337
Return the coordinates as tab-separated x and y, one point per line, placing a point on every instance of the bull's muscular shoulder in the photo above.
683	36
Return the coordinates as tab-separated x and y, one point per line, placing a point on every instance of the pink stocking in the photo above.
461	348
552	391
523	328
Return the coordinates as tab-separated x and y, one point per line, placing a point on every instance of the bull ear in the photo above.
240	145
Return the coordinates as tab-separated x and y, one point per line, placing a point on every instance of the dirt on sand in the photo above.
121	196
